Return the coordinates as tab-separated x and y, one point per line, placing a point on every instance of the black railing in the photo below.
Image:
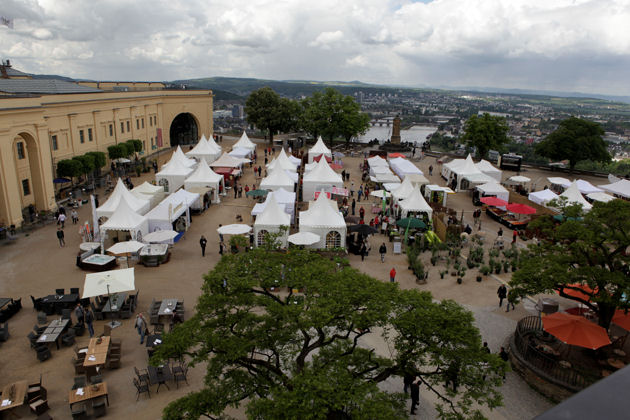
545	365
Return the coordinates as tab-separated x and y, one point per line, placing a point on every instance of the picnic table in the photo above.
53	331
97	351
13	395
87	393
55	303
167	308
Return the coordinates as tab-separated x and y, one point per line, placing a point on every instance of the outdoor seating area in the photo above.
17	395
166	312
55	304
156	376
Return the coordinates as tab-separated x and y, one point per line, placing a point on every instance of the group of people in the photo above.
85	317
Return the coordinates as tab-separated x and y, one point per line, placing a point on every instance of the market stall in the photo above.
138	205
244	143
404	190
415	204
206	178
285	200
173	213
573	196
542	197
146	191
493	189
620	188
489	169
173	175
322	177
272	218
283	162
403	167
324	219
124	224
206	150
181	157
437	194
277	179
319	149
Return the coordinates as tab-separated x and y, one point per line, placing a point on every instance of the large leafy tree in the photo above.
294	334
584	255
485	132
331	114
268	111
575	139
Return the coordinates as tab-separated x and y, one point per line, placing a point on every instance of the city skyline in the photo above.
571	46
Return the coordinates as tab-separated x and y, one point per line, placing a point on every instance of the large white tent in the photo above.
277	178
146	191
403	167
586	187
227	161
377	161
489	169
494	189
574	196
462	174
138	205
542	197
125	218
404	190
208	151
318	149
602	197
324	219
322	177
415	203
244	143
620	188
181	157
207	178
270	221
418	180
284	198
170	209
173	175
283	162
241	152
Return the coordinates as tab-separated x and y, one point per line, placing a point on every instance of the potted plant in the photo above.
485	270
497	267
442	273
434	259
514	265
506	266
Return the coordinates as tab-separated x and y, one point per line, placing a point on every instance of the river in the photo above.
417	134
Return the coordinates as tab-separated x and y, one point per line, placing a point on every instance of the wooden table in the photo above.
15	393
53	331
90	392
167	308
97	352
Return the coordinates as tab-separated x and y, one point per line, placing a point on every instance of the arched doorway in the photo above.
184	130
29	174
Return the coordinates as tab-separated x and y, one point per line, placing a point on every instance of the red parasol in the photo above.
493	201
317	158
396	155
577	310
520	208
580	291
575	330
622	318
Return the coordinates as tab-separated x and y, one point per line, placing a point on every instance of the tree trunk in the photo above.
270	137
605	313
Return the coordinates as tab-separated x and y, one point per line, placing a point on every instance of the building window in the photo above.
155	120
20	150
137	124
150	121
89	134
333	239
111	130
143	123
53	139
26	188
128	126
81	136
122	127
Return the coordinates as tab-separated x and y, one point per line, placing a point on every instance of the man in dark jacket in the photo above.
502	293
203	242
382	250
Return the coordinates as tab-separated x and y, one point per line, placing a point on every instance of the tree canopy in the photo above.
485	132
295	335
575	139
69	168
268	111
331	114
584	254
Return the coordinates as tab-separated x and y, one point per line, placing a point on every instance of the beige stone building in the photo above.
43	121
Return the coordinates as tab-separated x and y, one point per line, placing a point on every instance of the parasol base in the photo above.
113	324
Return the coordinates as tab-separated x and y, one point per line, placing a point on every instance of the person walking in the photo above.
361	212
61	236
360	193
500	232
408	379
415	395
61	220
220	235
430	170
504	356
79	313
203	242
141	326
512	300
259	171
354	204
382	250
352	189
75	216
514	236
363	251
89	319
221	248
392	275
502	293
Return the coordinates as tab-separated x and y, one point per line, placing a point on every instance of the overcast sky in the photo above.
568	45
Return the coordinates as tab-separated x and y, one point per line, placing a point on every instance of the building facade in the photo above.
38	131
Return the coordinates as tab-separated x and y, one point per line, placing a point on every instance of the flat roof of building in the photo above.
43	86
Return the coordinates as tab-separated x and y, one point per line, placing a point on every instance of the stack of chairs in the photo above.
78	359
37	397
153	312
43	352
113	358
12	309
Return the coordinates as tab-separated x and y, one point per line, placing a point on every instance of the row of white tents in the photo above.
465	173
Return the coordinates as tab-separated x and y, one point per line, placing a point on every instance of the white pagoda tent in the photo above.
324	219
322	177
270	221
138	205
278	178
208	151
170	209
415	203
241	152
542	197
573	195
403	167
227	161
494	189
319	149
125	219
244	143
204	177
173	175
586	187
181	157
465	172
489	169
404	190
146	191
283	162
284	198
620	188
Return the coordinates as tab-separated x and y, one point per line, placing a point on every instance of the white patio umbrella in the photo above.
380	194
160	236
126	247
235	229
304	238
122	160
519	179
106	282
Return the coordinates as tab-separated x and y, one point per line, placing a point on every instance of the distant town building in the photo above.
238	111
